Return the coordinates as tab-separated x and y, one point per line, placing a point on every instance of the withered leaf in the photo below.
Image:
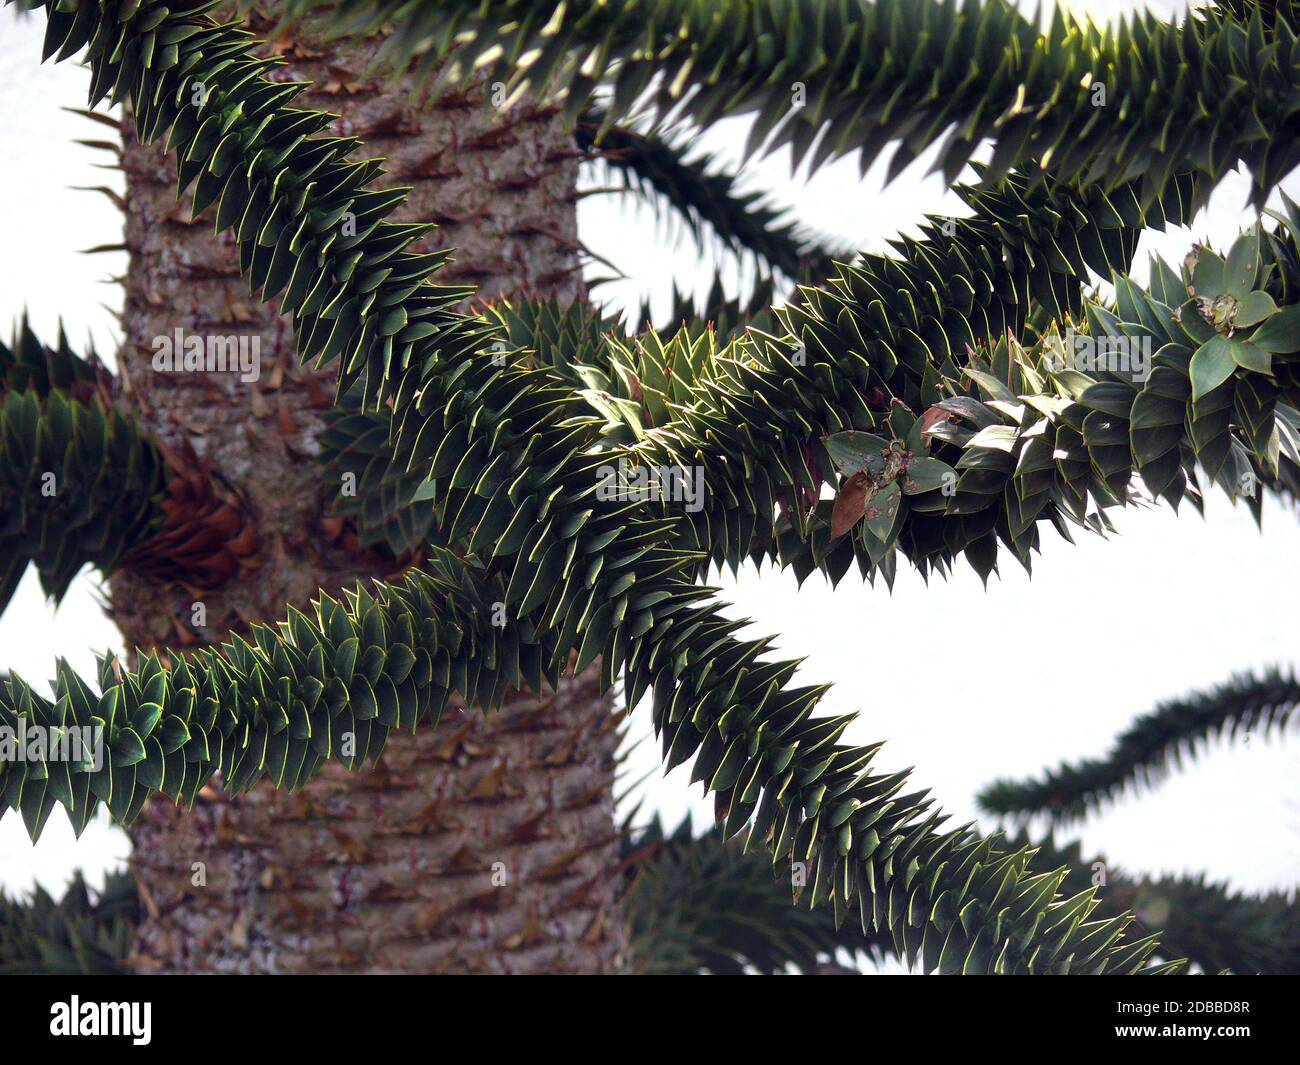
850	505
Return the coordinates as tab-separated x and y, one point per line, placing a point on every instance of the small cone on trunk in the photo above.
207	536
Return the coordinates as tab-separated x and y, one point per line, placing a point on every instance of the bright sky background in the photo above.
965	684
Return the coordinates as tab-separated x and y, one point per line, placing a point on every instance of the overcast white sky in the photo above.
965	684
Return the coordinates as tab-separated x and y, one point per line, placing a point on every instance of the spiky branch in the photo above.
80	483
1109	105
886	346
703	903
705	197
1047	442
83	484
80	934
1208	923
1148	751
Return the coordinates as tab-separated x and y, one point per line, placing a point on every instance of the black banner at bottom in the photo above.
335	1014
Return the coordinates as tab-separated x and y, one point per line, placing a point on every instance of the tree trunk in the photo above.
485	845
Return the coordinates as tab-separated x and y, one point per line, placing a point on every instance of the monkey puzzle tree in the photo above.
952	397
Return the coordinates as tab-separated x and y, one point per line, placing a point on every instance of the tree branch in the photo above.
1147	752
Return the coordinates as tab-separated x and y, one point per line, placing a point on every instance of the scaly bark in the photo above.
486	845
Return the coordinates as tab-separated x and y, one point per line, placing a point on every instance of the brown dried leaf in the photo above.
850	505
932	417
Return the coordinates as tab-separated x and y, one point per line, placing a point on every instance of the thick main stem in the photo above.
484	845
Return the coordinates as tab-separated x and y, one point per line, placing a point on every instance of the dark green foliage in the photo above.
1209	924
704	904
705	198
886	330
726	315
276	707
700	903
81	483
1033	439
567	340
374	490
508	456
572	341
1211	92
1145	753
1269	10
79	934
30	366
